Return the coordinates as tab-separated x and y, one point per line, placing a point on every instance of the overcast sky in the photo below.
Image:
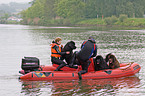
18	1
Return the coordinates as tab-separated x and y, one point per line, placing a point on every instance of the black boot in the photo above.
80	76
81	72
60	66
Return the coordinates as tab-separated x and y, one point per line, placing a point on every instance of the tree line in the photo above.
46	12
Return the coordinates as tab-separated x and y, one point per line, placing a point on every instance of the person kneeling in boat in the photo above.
88	50
56	53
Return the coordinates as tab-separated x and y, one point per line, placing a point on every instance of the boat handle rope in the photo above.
128	65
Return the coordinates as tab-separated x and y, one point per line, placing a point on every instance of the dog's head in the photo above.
113	62
72	45
99	60
112	59
100	63
69	46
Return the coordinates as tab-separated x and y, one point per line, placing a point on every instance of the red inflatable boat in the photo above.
53	67
126	69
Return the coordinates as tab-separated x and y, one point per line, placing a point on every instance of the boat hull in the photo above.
126	69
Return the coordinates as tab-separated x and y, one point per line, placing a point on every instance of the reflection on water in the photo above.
75	87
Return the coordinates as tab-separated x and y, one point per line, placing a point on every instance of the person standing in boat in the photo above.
56	53
88	50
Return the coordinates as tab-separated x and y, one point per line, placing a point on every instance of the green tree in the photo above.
6	16
111	20
49	11
72	9
139	8
75	10
32	2
122	17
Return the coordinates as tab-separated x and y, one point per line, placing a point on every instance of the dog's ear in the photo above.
96	58
101	58
107	57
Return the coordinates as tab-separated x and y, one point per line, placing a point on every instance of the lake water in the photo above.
17	41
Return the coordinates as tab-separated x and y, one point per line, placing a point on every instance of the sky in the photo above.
18	1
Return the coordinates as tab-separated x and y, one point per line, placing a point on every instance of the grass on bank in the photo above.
140	22
136	22
92	22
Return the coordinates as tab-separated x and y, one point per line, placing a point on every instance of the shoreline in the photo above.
103	27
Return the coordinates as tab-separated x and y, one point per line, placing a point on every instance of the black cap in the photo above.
91	39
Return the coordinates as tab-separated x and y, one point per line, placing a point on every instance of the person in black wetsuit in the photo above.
88	50
56	53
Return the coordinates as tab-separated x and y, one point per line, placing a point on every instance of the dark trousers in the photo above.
58	61
84	64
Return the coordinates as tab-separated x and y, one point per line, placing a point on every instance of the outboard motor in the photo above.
30	64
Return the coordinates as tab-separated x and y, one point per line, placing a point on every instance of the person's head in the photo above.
91	38
58	40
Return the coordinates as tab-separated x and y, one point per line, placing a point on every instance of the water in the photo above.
17	41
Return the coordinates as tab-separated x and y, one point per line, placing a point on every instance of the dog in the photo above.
113	62
70	46
100	63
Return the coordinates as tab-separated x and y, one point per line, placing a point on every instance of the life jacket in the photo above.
54	53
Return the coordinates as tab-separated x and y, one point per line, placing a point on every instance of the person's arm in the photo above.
83	44
57	49
95	51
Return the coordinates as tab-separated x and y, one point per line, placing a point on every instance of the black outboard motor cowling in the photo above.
29	64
